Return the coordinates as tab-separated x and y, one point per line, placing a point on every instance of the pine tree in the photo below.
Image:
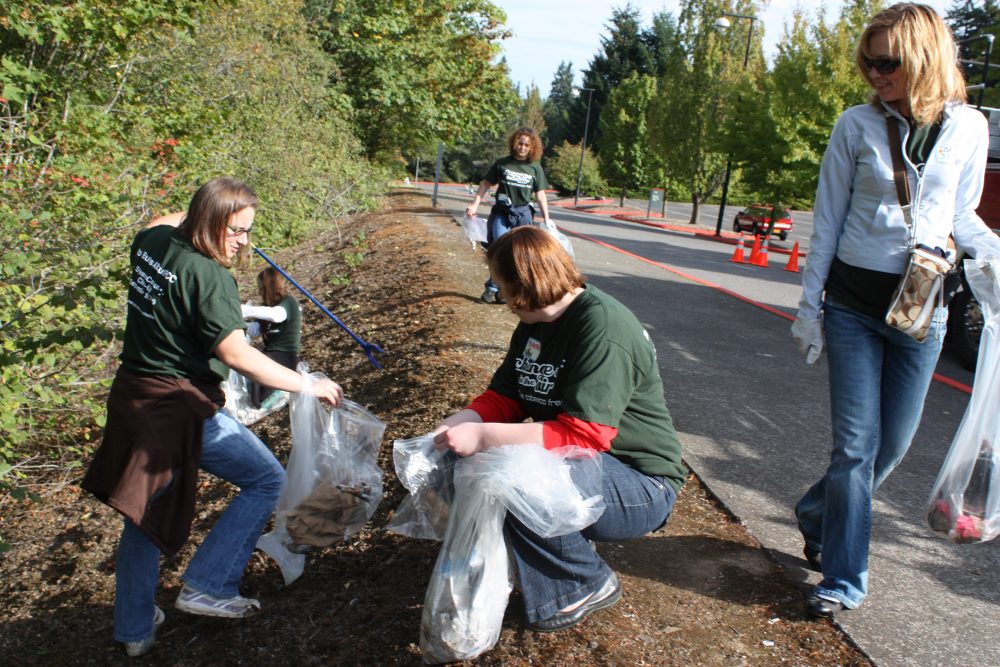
557	107
624	51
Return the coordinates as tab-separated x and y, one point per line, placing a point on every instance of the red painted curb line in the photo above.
954	384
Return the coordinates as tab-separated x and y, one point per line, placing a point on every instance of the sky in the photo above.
548	33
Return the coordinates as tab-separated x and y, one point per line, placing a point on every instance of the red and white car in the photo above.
756	218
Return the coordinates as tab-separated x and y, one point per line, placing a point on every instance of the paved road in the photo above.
754	419
708	216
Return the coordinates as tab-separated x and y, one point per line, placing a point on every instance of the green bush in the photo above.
114	111
562	169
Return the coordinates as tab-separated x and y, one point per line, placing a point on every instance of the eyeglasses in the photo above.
882	65
236	231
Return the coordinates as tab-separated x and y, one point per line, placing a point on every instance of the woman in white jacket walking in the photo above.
879	376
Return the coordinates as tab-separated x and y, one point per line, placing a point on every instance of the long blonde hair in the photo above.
926	47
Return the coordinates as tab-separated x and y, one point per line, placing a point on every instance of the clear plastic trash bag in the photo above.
474	230
964	504
562	238
334	482
428	474
237	390
551	492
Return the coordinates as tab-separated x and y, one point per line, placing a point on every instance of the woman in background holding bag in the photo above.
517	176
860	247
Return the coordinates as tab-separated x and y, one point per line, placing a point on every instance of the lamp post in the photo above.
583	144
722	23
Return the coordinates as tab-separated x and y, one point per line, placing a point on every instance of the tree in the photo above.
563	167
415	71
532	112
557	107
662	40
687	114
626	156
970	24
624	51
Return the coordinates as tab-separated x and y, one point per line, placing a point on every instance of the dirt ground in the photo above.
700	591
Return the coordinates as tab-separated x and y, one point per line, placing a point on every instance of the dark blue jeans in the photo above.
879	378
230	451
556	572
502	219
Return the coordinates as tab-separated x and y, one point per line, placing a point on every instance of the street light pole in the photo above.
583	144
723	23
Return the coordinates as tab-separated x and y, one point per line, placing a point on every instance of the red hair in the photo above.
532	268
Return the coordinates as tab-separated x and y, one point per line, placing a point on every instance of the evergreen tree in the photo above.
556	108
664	43
532	112
624	51
971	23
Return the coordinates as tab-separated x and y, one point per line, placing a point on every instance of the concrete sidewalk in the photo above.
754	421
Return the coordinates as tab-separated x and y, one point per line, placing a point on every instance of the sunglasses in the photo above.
882	65
236	231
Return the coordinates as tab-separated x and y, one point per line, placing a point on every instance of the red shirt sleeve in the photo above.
566	430
492	407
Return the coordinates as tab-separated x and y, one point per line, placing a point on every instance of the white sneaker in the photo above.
203	604
135	649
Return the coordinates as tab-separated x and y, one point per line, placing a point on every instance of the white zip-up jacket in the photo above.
857	216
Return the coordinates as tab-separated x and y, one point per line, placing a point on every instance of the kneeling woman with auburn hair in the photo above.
583	368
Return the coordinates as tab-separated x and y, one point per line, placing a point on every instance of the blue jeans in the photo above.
879	378
556	572
231	452
502	219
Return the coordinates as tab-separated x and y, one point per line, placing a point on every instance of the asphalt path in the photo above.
754	421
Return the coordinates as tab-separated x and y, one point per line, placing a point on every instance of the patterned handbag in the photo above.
921	288
920	291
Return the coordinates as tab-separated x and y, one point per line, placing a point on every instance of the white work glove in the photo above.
268	313
808	333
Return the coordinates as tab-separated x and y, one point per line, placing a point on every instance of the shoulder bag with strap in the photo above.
921	287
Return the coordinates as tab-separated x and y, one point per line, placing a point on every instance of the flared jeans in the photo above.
879	379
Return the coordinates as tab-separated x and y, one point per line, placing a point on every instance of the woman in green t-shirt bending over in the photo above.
582	367
183	332
279	321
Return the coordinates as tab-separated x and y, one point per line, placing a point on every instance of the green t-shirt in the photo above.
284	336
596	363
516	180
181	304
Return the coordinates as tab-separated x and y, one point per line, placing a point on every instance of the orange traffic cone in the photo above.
793	261
738	254
761	256
755	251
